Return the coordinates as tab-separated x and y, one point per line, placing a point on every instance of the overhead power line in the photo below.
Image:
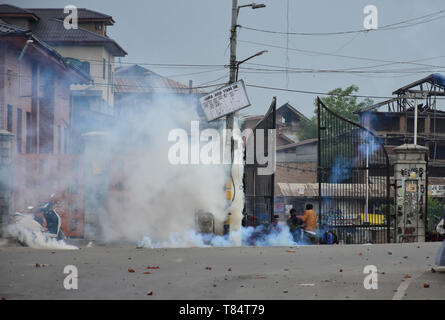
398	25
321	93
347	56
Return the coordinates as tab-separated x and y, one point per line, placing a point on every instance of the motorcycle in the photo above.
440	257
43	221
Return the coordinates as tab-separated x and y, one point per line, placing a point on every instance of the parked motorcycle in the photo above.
44	220
440	257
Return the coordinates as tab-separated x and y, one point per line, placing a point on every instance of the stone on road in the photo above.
311	272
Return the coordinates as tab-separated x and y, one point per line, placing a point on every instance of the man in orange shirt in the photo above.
310	225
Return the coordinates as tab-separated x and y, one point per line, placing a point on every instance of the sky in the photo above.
197	32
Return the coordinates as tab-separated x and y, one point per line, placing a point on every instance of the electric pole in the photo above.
232	78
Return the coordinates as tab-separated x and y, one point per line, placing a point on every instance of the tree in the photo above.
340	102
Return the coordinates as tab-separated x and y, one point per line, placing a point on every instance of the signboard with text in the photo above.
224	101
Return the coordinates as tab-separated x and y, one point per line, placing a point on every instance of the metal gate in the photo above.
259	189
353	180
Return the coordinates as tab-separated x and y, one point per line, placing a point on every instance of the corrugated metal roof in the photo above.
296	144
136	79
343	190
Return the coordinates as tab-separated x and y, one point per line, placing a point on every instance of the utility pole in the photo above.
234	64
232	79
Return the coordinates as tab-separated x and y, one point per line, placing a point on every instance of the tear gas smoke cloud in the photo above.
156	199
36	240
249	236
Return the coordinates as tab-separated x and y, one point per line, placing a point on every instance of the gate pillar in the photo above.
410	197
6	178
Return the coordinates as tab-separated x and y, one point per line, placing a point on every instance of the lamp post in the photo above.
230	117
233	63
242	61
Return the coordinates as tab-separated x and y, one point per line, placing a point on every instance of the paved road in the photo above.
316	272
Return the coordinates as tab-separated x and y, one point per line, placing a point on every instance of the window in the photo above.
19	130
28	132
85	67
110	76
104	68
65	140
99	26
9	119
59	139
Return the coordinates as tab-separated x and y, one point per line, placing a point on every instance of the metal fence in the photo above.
259	189
353	180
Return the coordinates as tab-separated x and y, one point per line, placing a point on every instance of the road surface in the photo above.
312	272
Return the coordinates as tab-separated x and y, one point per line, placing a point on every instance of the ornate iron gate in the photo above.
353	180
259	189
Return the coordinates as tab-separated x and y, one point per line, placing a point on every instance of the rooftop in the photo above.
47	25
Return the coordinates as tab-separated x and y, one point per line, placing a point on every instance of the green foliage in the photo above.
434	213
308	129
339	102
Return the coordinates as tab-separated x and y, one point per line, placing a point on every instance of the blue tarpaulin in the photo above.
438	79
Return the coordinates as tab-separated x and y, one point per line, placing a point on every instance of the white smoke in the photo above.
156	198
249	236
36	239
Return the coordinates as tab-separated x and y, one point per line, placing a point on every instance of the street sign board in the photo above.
224	101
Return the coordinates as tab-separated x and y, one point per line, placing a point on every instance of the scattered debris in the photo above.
307	284
130	270
433	270
208	268
147	272
90	244
149	293
260	277
152	268
407	276
426	285
291	250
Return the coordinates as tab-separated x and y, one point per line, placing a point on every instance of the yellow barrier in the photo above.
373	218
